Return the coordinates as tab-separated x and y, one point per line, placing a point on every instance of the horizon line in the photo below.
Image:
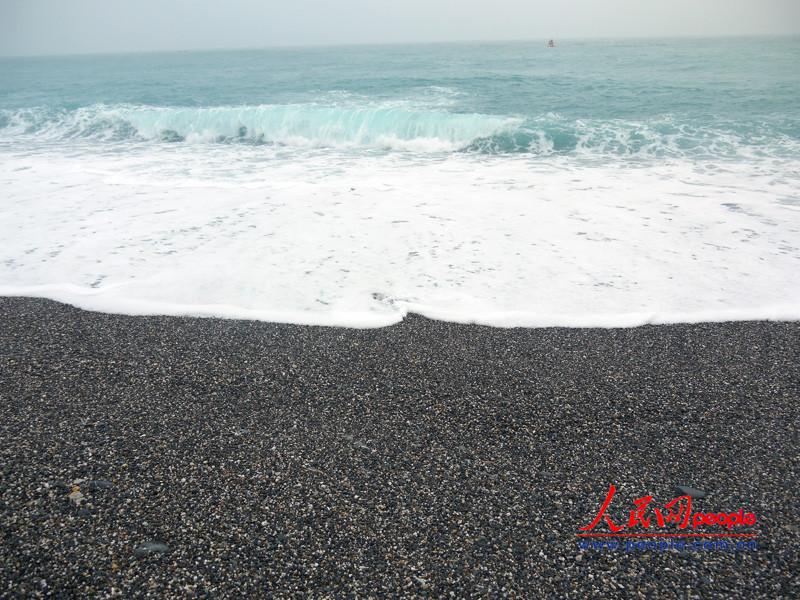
323	46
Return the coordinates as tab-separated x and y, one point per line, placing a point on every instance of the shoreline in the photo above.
414	460
511	319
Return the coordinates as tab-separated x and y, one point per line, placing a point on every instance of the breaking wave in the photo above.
405	130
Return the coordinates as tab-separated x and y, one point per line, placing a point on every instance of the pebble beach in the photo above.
177	457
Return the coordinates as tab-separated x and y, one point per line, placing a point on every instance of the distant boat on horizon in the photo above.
551	44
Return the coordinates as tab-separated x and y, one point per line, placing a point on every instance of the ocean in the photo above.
598	183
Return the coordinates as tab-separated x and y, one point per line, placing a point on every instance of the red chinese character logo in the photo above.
675	517
680	511
613	527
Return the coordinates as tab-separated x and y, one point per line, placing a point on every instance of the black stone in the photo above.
685	490
150	547
100	485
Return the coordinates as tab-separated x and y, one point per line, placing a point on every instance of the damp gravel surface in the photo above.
167	457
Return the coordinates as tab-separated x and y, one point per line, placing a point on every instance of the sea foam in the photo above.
362	241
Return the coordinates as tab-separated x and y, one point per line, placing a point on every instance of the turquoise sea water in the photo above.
712	96
598	182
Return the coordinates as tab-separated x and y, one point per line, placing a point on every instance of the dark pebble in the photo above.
100	485
549	418
683	490
150	547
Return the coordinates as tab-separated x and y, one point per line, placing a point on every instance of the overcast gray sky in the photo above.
33	27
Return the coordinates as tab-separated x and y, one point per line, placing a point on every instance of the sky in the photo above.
43	27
